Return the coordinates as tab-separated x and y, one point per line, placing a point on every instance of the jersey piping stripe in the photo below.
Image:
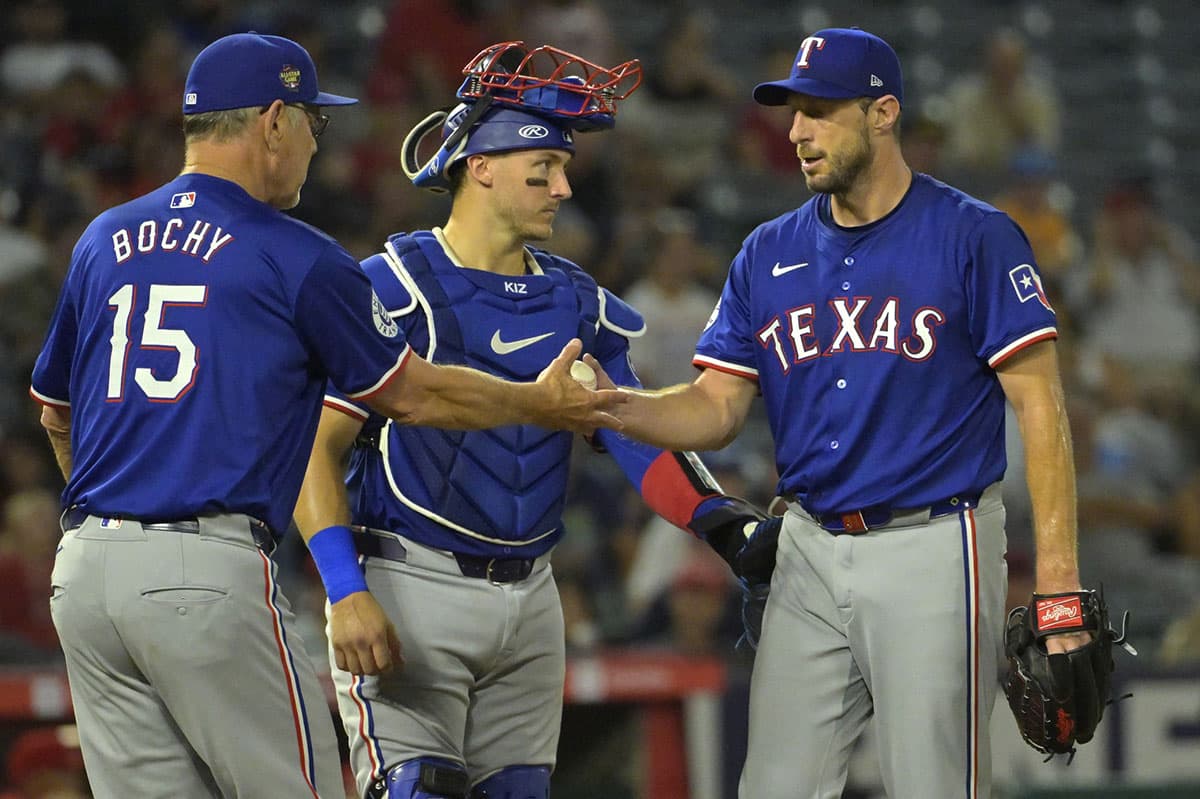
42	399
348	408
705	362
385	379
366	726
385	445
299	711
970	551
1021	343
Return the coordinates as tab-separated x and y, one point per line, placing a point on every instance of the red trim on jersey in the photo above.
1045	334
50	402
387	377
348	408
722	366
669	492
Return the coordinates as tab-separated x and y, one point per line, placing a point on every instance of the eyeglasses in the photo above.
317	122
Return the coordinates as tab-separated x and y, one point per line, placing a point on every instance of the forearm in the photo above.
61	444
682	417
323	500
1050	473
57	424
458	398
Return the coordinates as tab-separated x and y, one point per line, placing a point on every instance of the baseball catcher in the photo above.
1059	699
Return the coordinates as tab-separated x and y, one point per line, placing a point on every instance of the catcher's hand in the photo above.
1059	699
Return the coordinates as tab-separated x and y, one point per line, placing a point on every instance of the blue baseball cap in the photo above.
244	70
838	63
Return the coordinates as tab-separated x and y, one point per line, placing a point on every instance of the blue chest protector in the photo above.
494	492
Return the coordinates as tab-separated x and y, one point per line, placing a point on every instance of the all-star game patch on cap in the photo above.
838	63
244	70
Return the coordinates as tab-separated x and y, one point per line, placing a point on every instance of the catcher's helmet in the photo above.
518	99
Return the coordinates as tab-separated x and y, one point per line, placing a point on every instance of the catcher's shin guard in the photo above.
515	782
423	778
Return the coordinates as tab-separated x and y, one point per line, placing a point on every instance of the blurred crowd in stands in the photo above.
90	117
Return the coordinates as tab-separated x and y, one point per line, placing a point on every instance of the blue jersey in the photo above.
192	341
875	347
497	492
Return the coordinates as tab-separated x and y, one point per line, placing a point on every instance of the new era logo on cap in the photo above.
838	63
185	199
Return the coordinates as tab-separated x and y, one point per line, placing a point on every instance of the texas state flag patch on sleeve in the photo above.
1028	285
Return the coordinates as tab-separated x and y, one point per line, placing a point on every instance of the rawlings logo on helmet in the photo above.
533	131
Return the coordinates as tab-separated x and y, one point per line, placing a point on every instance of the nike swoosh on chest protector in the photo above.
502	347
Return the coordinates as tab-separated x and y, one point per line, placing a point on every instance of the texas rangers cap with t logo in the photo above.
838	63
244	70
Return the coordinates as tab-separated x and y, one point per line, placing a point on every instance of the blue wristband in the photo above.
333	551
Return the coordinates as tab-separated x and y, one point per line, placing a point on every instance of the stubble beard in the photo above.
845	169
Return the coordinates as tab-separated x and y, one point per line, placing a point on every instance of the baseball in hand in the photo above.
583	374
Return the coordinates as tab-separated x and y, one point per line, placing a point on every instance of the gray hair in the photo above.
219	126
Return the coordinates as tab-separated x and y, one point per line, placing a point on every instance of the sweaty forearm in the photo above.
1050	474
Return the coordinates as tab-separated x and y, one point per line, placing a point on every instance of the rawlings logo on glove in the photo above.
1058	700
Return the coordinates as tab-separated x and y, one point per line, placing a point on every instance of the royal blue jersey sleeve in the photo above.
52	371
1006	304
346	326
340	401
727	343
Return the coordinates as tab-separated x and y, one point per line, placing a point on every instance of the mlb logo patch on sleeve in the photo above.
185	199
1028	285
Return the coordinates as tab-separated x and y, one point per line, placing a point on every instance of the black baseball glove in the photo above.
747	539
1058	700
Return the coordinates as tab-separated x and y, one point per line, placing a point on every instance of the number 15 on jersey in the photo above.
154	337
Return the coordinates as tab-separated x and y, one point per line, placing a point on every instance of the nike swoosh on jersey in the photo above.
502	347
778	270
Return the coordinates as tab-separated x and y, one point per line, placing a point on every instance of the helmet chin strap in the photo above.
449	149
